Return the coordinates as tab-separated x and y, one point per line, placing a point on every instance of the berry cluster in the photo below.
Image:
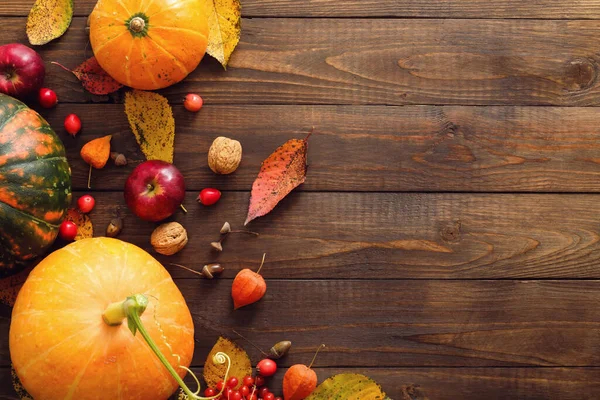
253	388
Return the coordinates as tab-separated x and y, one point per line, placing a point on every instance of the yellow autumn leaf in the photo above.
151	120
48	20
348	387
85	229
224	23
240	363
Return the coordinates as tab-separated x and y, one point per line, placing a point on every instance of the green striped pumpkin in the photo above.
35	185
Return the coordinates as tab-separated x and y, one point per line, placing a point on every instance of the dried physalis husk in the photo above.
114	227
280	349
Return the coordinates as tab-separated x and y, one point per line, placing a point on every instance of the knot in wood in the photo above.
581	74
451	233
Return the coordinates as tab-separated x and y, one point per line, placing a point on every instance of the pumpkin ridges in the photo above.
32	161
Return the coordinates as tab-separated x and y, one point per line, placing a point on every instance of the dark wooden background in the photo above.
448	233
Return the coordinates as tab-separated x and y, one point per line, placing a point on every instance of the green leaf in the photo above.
348	387
48	20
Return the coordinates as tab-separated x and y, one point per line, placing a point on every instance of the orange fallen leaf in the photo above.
96	153
279	174
93	78
85	228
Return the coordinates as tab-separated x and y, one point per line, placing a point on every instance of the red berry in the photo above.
266	367
47	98
269	396
245	390
260	381
278	398
220	386
209	392
252	397
236	395
263	391
248	380
86	203
233	382
193	102
67	231
72	124
209	196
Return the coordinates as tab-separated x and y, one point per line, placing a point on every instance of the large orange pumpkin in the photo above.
62	348
149	44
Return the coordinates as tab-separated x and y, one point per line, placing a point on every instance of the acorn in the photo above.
280	349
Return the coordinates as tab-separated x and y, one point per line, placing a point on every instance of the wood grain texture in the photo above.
358	148
444	383
553	9
385	236
377	61
400	323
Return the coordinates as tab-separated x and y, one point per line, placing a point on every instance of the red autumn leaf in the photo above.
93	78
279	174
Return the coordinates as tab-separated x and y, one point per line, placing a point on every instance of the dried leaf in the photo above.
348	387
85	229
96	152
151	120
279	174
10	286
240	363
224	25
18	386
93	78
48	20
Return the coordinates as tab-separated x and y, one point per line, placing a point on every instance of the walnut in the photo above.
169	238
224	155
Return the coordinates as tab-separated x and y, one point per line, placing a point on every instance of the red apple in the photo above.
154	190
22	70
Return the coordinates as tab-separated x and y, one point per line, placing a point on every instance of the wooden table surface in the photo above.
448	232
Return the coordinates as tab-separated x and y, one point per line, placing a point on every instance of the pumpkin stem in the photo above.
132	308
137	24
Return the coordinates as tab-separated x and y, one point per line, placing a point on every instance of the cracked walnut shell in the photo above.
169	238
224	155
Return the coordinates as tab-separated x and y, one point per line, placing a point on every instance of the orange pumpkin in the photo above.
149	44
62	348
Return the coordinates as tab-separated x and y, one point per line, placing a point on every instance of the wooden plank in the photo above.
445	383
402	323
378	61
385	236
552	9
357	148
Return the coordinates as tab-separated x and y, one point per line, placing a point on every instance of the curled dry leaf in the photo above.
279	174
96	152
85	228
48	20
151	120
224	24
348	386
10	286
240	363
93	78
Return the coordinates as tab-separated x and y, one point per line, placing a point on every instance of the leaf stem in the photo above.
247	340
90	178
131	309
315	357
262	263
